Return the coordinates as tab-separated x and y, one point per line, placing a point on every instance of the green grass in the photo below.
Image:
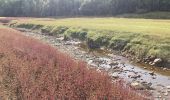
140	37
149	15
143	26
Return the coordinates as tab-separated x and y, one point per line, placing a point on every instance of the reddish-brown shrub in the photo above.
36	71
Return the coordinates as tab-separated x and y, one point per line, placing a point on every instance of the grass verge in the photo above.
141	39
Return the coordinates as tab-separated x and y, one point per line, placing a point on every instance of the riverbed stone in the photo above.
164	69
113	63
166	93
157	61
168	87
135	76
152	73
140	86
136	85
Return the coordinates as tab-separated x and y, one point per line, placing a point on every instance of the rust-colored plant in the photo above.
35	71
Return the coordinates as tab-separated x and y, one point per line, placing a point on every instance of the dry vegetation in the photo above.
30	70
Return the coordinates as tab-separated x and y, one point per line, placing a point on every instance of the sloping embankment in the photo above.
31	70
146	48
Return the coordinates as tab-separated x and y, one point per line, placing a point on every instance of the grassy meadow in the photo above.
143	26
148	15
139	37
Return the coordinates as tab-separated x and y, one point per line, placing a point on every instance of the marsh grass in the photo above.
140	37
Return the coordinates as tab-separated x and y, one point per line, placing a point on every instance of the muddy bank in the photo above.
141	77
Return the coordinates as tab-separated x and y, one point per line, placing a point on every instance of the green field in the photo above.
144	26
139	37
149	15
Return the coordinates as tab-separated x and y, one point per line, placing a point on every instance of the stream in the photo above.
140	76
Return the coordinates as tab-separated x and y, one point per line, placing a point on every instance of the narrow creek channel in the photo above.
156	80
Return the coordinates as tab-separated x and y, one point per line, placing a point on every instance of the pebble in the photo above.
166	94
153	77
164	69
168	87
152	73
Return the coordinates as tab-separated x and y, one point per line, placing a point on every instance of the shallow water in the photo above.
160	80
101	59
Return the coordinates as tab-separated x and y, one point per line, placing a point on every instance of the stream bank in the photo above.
139	47
141	77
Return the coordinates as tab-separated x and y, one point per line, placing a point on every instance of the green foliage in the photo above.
47	29
76	33
37	8
59	30
99	38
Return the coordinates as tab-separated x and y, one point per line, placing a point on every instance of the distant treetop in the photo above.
43	8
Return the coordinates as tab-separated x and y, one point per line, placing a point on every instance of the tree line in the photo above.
43	8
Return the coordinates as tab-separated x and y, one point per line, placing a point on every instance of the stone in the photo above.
134	76
113	63
138	61
147	85
140	86
67	43
168	87
150	63
115	76
137	85
164	69
153	64
153	77
152	57
160	96
158	60
166	94
152	73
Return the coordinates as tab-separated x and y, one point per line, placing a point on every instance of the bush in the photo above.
35	71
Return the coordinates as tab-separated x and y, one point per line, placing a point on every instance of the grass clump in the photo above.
96	39
59	30
76	33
